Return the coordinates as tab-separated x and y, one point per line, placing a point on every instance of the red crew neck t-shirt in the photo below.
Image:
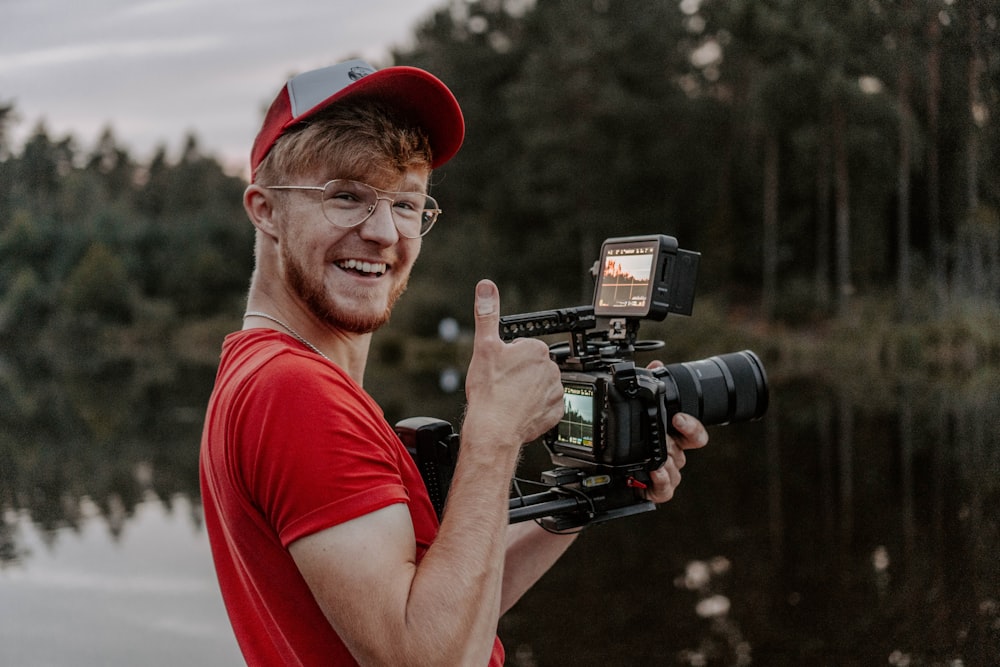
292	446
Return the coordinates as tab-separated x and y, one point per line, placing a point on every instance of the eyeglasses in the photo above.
348	203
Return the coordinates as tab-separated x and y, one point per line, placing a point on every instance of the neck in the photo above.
349	351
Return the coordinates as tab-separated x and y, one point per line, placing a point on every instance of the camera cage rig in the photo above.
637	278
615	428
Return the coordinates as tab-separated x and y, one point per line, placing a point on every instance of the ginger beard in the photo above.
315	295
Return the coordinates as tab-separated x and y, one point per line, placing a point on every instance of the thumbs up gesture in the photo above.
513	389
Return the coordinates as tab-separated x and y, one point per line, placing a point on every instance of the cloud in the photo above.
86	53
156	70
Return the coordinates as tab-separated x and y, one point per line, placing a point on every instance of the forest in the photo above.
835	162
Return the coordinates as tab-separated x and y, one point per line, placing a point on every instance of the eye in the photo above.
344	195
409	202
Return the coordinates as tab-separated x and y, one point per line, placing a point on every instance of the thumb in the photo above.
487	309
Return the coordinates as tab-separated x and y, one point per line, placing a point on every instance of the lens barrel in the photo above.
717	390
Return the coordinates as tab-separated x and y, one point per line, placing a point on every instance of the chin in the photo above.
365	317
345	307
357	324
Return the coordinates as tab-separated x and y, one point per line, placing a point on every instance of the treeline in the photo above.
812	150
93	242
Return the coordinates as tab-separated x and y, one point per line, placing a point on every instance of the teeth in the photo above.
364	267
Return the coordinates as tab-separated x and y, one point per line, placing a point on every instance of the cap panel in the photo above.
275	123
310	89
416	94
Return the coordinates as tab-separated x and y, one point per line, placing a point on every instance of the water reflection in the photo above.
856	525
146	596
108	437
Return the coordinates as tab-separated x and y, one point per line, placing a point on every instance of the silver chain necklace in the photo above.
295	334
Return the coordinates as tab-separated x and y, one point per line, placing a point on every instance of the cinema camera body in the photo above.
617	415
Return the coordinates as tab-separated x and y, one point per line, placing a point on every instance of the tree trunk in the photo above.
842	201
903	171
769	288
977	109
933	157
821	275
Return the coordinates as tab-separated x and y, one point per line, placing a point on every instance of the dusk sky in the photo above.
157	69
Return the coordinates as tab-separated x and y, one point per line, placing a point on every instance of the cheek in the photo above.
411	250
312	243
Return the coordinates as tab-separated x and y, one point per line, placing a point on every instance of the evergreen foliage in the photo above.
764	133
811	150
93	241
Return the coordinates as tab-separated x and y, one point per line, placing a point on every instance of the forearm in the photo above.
531	551
456	591
445	609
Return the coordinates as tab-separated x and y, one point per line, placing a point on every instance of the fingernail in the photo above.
681	420
486	302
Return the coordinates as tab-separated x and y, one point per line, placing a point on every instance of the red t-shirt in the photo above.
291	446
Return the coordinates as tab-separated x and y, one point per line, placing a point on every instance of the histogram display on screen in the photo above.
577	425
625	277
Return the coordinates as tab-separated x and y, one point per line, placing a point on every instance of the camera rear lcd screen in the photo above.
576	428
626	280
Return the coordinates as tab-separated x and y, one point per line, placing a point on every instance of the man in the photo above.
326	545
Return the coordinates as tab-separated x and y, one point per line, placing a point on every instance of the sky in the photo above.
156	70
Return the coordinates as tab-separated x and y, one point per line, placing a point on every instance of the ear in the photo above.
259	205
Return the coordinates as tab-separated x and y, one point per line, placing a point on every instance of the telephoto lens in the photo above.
718	390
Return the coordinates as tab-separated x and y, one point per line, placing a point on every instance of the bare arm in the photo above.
387	608
531	550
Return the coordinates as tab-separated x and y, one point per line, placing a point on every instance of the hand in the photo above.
513	389
667	477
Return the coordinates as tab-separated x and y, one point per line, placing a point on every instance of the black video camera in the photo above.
617	416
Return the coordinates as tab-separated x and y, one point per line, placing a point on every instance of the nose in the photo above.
380	227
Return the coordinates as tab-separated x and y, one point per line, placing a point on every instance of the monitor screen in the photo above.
576	428
625	284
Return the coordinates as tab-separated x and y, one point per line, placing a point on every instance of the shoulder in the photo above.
263	358
268	378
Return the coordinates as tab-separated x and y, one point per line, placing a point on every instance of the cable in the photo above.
592	509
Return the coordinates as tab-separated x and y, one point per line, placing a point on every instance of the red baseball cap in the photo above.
419	95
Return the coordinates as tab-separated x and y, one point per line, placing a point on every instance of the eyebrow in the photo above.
408	184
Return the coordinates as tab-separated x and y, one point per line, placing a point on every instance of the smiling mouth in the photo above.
375	269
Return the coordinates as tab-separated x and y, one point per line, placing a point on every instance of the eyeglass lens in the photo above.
348	203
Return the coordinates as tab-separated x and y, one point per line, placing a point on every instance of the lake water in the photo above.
857	524
144	597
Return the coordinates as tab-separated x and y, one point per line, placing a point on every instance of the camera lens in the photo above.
718	390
